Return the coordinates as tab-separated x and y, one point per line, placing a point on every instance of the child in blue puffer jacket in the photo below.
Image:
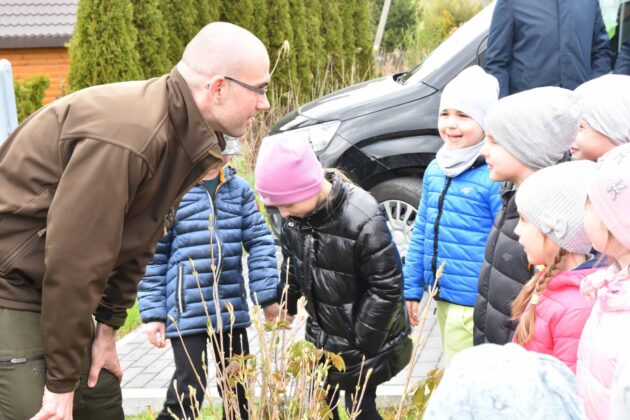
223	205
456	211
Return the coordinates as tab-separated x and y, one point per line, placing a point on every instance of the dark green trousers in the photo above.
23	374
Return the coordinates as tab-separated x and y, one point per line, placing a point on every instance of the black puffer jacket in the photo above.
343	260
503	273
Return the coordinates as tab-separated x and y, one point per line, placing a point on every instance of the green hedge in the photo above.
29	95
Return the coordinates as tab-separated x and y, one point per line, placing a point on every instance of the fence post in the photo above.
8	110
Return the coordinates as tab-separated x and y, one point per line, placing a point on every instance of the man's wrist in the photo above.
107	317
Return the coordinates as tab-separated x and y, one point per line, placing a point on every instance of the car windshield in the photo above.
452	46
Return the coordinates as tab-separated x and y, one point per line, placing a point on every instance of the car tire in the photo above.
399	198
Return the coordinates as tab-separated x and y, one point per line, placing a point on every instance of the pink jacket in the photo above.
561	314
605	339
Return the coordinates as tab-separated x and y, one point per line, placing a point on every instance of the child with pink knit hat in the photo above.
606	336
338	254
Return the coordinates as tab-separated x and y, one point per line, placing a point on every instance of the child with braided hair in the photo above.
550	310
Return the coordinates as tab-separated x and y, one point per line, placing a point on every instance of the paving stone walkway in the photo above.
148	370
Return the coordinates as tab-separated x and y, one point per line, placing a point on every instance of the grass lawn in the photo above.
133	321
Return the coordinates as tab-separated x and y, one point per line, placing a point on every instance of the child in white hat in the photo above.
455	215
606	120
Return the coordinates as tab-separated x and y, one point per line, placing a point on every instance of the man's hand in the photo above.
412	310
55	406
104	354
156	331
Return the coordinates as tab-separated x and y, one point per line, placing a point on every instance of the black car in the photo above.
383	133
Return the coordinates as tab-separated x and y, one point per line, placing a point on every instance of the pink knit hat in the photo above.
609	191
287	170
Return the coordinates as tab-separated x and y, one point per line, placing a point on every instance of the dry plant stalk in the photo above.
418	340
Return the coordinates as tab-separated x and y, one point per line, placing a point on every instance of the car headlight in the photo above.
319	135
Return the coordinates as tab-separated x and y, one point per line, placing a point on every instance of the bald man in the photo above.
89	184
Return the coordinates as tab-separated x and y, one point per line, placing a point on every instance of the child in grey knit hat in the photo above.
550	310
525	132
606	120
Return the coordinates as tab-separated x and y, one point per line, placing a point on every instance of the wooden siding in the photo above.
52	62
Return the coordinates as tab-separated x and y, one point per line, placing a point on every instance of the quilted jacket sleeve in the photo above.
414	261
380	267
152	289
261	259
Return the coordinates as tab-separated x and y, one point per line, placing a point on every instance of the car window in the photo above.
616	14
452	46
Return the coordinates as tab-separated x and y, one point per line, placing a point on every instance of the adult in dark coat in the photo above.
534	43
622	66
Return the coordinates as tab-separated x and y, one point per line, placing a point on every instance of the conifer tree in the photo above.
331	31
364	38
238	12
317	55
103	46
347	8
300	53
279	22
202	7
214	10
181	24
260	20
401	22
152	38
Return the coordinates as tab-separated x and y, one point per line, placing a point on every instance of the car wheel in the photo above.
399	199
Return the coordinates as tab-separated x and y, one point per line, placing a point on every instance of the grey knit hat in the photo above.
536	126
473	91
607	106
553	199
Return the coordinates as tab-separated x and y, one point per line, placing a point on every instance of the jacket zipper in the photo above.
180	282
436	229
19	250
216	235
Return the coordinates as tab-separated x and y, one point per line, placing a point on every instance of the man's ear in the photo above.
216	89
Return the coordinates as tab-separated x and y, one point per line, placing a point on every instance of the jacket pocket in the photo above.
22	248
179	292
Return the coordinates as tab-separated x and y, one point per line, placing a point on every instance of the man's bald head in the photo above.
219	49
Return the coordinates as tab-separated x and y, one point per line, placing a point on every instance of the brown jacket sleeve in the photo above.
121	290
85	225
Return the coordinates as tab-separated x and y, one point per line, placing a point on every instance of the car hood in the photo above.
364	98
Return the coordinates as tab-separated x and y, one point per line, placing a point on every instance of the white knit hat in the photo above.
473	92
607	106
536	126
553	199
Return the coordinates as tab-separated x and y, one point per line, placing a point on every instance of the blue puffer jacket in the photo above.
462	209
169	288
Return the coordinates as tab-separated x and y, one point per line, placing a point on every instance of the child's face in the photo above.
538	247
300	208
590	144
458	130
501	164
595	229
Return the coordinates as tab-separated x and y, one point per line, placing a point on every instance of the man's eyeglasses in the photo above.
261	91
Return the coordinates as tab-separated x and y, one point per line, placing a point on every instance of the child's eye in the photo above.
462	115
